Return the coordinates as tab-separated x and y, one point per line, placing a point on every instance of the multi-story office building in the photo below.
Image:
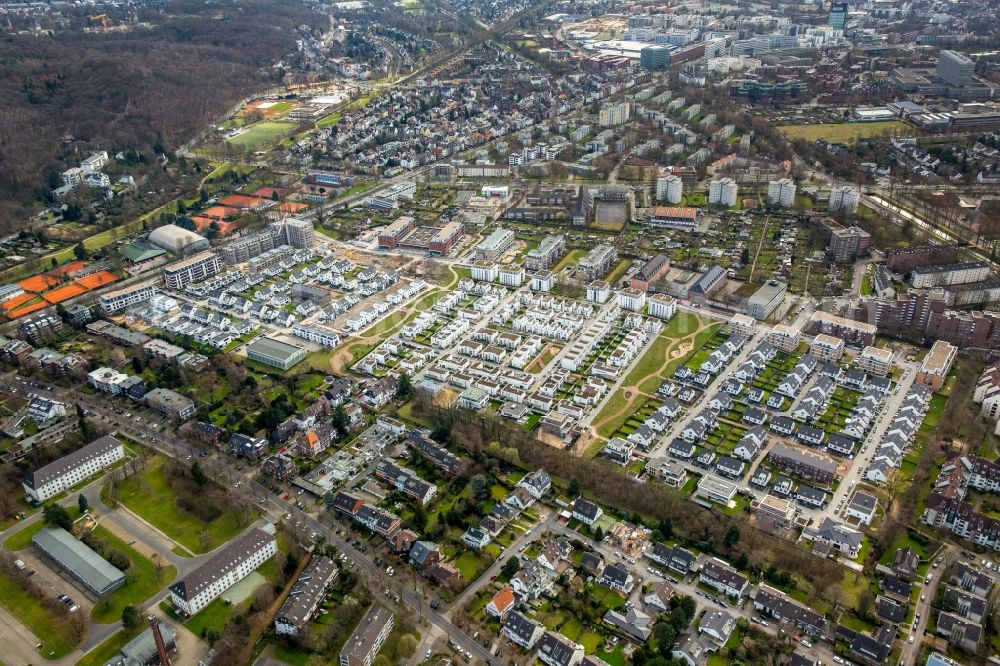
193	269
654	57
838	15
669	189
120	299
614	114
781	192
50	480
766	299
228	566
723	192
844	198
367	639
955	68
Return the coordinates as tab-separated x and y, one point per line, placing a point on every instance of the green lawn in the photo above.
142	581
104	652
329	121
844	132
53	630
149	495
22	539
261	133
213	616
469	564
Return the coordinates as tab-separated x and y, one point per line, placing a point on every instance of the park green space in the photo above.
54	631
843	132
260	133
148	494
142	581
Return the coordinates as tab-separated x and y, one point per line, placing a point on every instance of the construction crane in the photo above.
102	19
161	647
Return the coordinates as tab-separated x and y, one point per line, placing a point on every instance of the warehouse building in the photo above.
275	352
76	559
231	564
50	480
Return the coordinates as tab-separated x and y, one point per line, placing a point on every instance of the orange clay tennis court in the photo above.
240	201
38	283
66	269
19	300
64	293
98	279
28	309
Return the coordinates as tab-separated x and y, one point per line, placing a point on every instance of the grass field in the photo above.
142	581
149	495
329	121
104	652
54	631
260	133
22	539
844	132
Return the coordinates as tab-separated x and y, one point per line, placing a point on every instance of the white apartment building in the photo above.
71	469
485	271
234	562
784	338
844	198
95	162
598	291
669	189
826	348
193	269
781	192
320	336
742	324
723	192
107	380
614	114
662	306
874	360
126	297
632	300
511	276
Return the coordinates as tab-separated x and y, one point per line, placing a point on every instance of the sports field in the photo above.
844	132
260	133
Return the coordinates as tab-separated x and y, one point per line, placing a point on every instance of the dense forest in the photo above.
150	88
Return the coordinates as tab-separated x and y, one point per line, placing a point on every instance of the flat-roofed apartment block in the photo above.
784	338
298	233
661	306
804	462
874	360
936	365
171	403
367	639
826	348
231	564
546	254
493	246
275	352
78	560
50	480
850	331
949	274
243	249
193	269
119	299
598	261
741	324
306	595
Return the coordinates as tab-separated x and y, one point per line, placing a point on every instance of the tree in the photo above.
341	423
405	387
598	534
198	474
81	502
573	489
80	252
131	618
510	567
481	487
732	536
58	516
